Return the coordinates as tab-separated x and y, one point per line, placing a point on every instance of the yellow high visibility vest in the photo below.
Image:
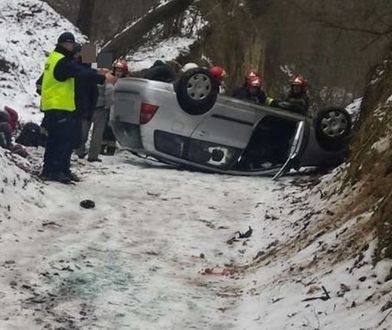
56	95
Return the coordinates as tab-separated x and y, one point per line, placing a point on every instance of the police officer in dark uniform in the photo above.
58	104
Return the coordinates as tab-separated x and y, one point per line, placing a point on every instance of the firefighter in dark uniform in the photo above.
252	89
297	100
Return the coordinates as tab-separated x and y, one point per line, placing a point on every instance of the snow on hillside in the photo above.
163	249
29	30
167	49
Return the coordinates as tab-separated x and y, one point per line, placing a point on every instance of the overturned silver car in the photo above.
226	135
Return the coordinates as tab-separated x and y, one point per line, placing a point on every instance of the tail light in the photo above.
147	111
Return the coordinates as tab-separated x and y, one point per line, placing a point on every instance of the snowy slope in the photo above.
167	49
161	250
29	30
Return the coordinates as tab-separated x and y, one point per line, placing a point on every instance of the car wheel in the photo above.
197	91
333	127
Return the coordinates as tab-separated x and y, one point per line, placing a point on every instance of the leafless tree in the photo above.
85	16
130	38
371	18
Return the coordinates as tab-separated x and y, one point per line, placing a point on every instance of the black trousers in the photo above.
62	131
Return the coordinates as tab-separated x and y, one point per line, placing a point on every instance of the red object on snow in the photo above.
14	117
219	271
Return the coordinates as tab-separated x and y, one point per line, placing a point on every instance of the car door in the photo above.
224	133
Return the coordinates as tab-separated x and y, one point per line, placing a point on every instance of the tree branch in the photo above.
132	37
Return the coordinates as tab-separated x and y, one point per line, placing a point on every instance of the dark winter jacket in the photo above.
67	68
160	72
86	80
242	93
105	96
299	104
86	95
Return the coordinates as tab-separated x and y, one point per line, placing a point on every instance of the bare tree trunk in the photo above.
85	17
131	37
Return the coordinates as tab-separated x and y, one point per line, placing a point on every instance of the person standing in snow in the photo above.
58	105
108	147
86	95
101	115
252	89
219	74
297	100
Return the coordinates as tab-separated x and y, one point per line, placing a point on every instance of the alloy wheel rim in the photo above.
334	124
199	86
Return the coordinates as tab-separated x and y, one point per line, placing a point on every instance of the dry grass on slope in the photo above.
371	156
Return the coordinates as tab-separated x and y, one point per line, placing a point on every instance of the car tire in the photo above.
196	91
333	128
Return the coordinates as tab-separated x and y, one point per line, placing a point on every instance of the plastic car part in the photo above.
217	155
87	204
333	126
294	152
196	91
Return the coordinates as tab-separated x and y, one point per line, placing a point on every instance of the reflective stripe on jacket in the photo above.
269	101
56	95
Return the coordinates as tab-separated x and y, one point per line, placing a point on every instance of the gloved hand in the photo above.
284	105
110	79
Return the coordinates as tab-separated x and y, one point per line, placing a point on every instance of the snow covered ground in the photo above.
164	249
29	30
161	249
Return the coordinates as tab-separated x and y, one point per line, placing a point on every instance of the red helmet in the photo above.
253	79
299	80
218	72
121	64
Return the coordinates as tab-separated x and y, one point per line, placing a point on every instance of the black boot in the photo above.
72	176
110	151
59	177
